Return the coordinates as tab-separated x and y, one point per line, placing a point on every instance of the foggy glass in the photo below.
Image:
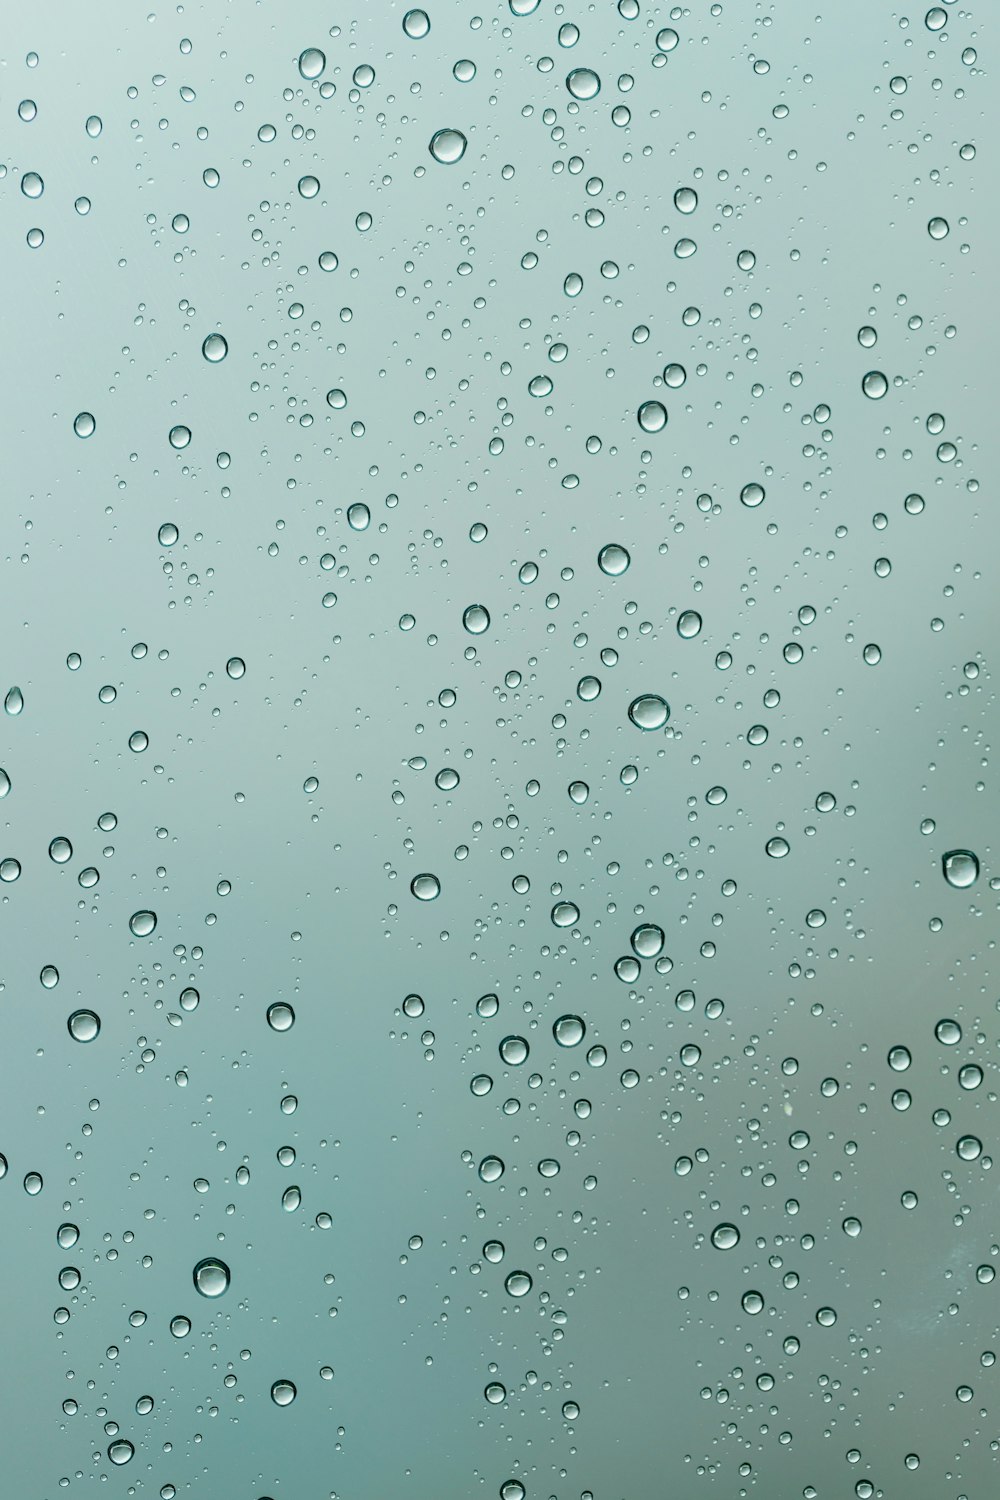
499	875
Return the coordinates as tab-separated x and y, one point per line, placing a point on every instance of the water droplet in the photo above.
447	146
60	850
874	385
121	1451
32	185
852	1227
180	1326
311	63
652	416
569	1030
211	1277
613	560
416	24
283	1393
49	976
725	1236
518	1283
649	711
752	495
291	1199
960	868
235	667
667	39
425	887
167	534
565	913
84	1025
308	186
94	126
476	619
491	1169
84	424
936	18
514	1050
10	870
826	1317
648	939
280	1017
215	348
179	436
685	200
689	624
969	1147
777	847
142	923
14	701
583	83
587	690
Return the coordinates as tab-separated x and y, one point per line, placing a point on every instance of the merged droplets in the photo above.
211	1277
84	1025
649	711
960	868
447	146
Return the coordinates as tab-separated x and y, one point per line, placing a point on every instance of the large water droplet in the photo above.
725	1236
652	416
874	385
960	868
179	437
311	63
569	1030
121	1451
613	560
142	923
280	1017
84	1025
447	146
518	1283
565	913
476	619
283	1393
649	711
416	24
211	1276
215	348
14	701
425	887
583	83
